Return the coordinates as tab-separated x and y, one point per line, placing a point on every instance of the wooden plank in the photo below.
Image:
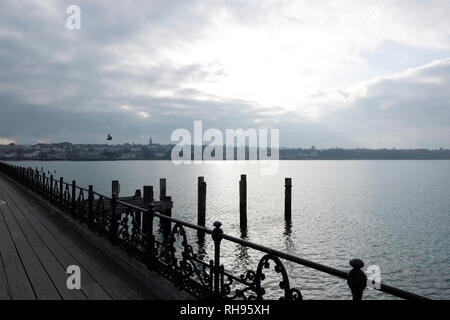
89	286
40	281
35	236
56	237
4	287
52	266
20	287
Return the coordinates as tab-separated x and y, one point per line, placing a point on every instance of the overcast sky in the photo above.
346	73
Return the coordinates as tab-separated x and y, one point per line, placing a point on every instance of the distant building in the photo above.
150	142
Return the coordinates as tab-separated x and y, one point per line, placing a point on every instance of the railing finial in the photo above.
357	279
217	231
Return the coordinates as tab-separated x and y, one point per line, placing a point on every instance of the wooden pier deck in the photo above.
36	247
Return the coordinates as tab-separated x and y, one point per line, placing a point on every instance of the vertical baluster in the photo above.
51	188
148	220
43	184
90	208
114	225
61	192
217	237
74	195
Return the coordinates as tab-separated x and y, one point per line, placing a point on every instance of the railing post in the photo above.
61	191
51	188
90	207
148	220
217	237
114	225
74	195
43	184
357	279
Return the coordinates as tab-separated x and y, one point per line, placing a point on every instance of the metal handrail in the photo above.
355	278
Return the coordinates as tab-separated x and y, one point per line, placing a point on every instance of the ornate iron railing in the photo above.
131	228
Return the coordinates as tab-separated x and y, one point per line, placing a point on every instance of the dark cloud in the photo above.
61	85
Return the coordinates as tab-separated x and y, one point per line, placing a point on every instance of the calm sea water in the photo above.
394	214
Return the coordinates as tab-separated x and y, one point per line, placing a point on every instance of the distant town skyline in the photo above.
155	151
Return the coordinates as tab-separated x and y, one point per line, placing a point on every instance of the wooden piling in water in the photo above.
287	198
162	189
201	209
243	201
115	187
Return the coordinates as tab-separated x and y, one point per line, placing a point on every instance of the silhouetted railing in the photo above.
131	227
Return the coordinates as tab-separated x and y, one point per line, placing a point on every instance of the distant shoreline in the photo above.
309	159
70	152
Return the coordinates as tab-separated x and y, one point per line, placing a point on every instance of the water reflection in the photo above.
288	243
201	247
241	262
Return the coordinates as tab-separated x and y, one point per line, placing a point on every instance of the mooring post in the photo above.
148	200
243	201
287	198
74	195
162	189
90	207
61	191
115	187
201	210
357	279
